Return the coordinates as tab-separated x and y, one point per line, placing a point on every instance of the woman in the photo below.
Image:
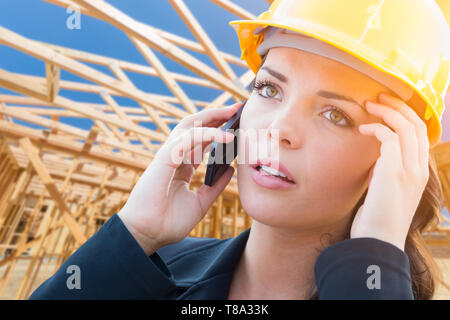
346	225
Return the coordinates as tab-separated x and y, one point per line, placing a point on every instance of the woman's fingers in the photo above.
184	173
196	155
198	136
173	153
207	195
415	145
419	124
404	130
192	131
186	170
390	150
406	133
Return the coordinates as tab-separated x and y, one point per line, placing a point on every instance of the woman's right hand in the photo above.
161	209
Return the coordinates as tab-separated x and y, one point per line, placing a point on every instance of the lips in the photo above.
277	165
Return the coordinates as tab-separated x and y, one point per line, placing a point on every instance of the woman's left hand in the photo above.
398	178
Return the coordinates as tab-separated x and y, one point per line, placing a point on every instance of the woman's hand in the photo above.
161	209
398	178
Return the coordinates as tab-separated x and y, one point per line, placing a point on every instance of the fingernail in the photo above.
363	127
384	95
369	104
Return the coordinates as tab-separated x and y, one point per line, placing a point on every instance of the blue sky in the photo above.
46	22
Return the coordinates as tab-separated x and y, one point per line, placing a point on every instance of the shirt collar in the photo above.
215	280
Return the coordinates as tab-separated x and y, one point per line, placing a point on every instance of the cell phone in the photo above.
223	151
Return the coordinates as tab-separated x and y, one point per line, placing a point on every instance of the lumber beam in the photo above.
53	75
46	54
80	108
235	9
172	38
165	75
202	37
245	79
140	31
23	84
16	131
92	137
117	109
39	167
94	89
81	133
151	113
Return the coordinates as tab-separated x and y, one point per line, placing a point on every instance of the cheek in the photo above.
257	113
352	158
253	135
339	171
329	169
331	181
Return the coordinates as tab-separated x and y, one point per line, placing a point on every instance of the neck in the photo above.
278	263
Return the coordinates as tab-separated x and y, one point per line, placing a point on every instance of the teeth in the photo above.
272	171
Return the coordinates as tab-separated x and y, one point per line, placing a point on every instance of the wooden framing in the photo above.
60	182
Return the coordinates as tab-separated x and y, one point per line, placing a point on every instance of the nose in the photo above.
285	128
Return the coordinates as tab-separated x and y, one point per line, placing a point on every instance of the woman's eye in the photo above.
337	117
271	91
267	87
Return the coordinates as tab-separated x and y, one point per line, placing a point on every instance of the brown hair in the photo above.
425	273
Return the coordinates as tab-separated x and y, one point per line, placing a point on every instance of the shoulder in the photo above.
188	246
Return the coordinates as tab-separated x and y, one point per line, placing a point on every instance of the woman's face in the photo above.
322	148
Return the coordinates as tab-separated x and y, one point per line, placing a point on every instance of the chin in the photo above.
267	206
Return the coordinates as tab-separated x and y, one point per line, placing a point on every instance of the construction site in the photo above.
60	182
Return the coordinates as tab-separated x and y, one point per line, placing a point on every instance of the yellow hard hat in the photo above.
445	8
408	40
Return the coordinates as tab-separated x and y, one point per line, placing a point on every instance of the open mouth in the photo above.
267	171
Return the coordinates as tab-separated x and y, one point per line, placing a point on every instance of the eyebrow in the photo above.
277	75
334	95
321	93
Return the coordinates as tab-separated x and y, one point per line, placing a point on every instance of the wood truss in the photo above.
59	184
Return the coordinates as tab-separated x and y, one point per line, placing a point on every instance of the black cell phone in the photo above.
221	152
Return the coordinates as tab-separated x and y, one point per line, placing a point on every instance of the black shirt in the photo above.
112	265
